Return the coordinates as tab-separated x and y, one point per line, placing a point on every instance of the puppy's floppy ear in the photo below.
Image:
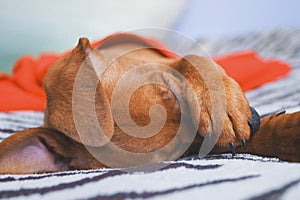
83	47
31	151
39	150
90	105
76	100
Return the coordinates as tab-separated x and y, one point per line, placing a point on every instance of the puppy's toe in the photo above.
236	130
227	135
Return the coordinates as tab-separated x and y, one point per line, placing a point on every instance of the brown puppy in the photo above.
197	97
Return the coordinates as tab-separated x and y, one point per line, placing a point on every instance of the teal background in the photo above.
30	28
36	26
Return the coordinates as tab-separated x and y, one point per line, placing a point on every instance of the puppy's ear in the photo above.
29	151
83	47
77	104
39	150
91	109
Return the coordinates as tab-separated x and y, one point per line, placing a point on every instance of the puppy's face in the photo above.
131	97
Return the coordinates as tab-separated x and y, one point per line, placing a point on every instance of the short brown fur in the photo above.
278	136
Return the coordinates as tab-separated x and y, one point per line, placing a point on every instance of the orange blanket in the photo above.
23	89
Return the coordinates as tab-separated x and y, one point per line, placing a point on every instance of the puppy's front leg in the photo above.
278	136
219	104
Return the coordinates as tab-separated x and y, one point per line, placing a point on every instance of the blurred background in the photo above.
34	26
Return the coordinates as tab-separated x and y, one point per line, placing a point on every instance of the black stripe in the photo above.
47	175
30	115
144	195
276	194
236	157
26	192
6	130
165	166
229	157
68	173
28	121
19	127
284	108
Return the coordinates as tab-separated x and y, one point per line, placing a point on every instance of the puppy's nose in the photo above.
254	123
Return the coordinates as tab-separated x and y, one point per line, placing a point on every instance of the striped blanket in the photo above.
217	176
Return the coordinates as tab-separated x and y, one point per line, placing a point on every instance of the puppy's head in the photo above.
78	100
78	103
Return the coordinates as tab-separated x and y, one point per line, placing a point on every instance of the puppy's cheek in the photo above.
32	156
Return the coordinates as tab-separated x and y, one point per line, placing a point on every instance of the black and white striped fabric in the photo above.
215	177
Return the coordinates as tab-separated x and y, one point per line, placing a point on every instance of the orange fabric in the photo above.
251	71
23	89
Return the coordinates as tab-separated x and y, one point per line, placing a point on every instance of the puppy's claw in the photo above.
254	123
244	142
280	112
232	148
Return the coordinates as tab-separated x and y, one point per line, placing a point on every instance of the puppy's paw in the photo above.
218	102
238	122
278	136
